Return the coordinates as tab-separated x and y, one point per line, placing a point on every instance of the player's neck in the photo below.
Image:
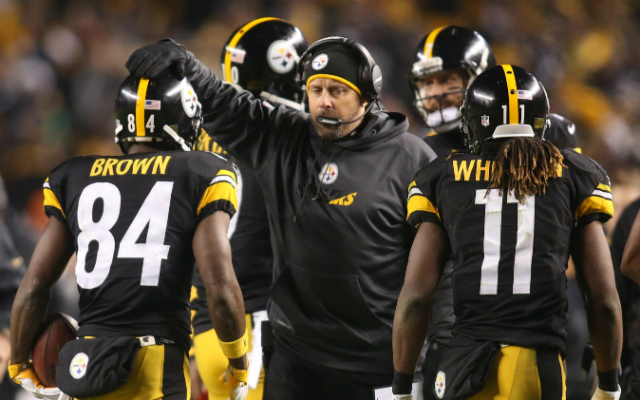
141	148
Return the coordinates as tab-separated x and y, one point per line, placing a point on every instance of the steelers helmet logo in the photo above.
328	174
320	61
78	366
189	99
281	56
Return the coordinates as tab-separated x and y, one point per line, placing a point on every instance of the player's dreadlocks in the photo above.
523	166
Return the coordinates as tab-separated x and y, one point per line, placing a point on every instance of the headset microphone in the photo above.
336	121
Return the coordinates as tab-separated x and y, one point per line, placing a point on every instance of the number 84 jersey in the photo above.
134	218
509	257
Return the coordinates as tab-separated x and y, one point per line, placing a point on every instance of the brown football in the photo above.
56	330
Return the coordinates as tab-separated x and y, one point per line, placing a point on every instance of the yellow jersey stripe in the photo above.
234	41
218	191
604	187
142	97
420	203
594	204
228	173
412	185
512	93
335	78
428	44
50	199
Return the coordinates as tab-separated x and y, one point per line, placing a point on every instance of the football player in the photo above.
261	57
446	61
137	222
510	213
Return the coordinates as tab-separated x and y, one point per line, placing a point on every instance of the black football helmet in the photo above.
445	49
505	101
163	112
262	56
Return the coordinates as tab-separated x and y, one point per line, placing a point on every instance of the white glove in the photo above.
26	377
42	392
604	395
236	380
402	397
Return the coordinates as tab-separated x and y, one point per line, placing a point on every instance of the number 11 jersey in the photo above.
509	257
134	218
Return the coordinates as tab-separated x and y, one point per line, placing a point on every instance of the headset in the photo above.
369	74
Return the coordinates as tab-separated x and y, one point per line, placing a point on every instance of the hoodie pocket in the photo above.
328	307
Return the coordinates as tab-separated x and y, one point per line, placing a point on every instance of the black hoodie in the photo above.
341	246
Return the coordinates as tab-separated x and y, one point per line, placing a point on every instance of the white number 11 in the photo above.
491	242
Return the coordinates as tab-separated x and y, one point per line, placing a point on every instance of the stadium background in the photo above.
61	62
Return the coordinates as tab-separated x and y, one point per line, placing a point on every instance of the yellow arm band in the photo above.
237	348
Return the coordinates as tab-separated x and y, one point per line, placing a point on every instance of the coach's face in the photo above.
333	99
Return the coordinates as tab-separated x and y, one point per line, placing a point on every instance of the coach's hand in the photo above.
25	376
236	380
151	60
604	395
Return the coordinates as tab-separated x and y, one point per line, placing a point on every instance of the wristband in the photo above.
235	349
401	383
608	380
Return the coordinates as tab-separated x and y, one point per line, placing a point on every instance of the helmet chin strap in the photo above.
444	120
175	137
273	99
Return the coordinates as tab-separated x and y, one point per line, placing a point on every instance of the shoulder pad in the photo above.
574	160
204	163
429	171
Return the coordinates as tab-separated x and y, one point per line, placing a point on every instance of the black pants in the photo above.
430	371
631	388
291	380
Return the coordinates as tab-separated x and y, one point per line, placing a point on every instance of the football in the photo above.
55	331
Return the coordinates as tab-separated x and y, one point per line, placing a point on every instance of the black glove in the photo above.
151	60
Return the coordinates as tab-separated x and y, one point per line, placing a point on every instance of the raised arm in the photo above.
242	124
594	270
429	253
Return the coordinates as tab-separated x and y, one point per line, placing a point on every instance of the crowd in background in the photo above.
61	62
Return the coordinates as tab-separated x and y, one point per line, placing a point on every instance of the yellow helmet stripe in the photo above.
142	97
234	41
428	44
512	91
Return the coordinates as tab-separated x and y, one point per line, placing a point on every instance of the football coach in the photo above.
334	181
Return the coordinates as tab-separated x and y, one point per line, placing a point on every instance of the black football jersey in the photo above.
250	245
444	144
133	218
509	258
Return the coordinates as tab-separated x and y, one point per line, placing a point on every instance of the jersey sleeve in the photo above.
421	201
220	194
52	190
593	197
